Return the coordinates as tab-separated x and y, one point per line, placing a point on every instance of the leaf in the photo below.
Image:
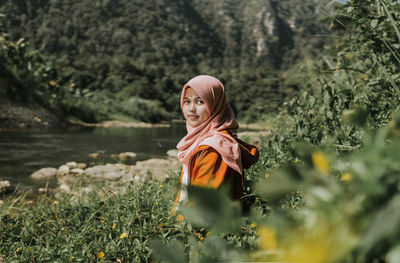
172	253
394	255
374	23
212	208
279	184
384	223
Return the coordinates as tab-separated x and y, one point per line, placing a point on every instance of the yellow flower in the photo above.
114	226
296	160
161	186
70	258
346	177
268	239
100	254
386	120
52	83
208	233
91	228
320	162
103	220
253	224
18	249
267	175
201	238
122	236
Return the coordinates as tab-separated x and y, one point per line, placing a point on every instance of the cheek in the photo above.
204	114
184	108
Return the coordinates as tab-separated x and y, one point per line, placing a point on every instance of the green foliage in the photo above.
67	228
326	187
149	49
146	110
331	193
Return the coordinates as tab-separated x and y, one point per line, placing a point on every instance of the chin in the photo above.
194	124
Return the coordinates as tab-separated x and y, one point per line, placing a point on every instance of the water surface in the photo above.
24	151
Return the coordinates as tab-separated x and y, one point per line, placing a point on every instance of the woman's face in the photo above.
194	109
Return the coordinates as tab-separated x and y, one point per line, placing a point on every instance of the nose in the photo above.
192	107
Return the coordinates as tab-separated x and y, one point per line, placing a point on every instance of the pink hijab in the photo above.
211	91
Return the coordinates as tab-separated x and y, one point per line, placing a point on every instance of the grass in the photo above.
103	225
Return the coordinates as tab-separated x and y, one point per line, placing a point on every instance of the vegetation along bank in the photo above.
326	188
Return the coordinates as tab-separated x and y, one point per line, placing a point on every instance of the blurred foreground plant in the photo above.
352	210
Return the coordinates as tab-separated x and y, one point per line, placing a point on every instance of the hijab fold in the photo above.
212	92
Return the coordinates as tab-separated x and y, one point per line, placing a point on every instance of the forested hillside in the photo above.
129	59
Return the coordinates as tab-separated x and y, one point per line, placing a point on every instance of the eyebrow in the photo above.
198	97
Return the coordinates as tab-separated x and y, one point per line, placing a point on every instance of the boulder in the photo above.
44	173
77	171
5	187
81	165
126	156
172	153
65	188
109	172
44	190
63	170
71	165
156	168
254	138
94	155
68	179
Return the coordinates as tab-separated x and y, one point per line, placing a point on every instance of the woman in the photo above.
211	154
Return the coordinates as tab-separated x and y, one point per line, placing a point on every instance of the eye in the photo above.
186	101
200	102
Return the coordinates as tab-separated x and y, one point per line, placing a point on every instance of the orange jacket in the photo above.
207	169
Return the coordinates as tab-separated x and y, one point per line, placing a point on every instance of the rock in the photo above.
156	168
5	187
63	170
110	172
81	165
94	155
253	137
67	179
172	153
44	173
65	188
86	190
126	156
43	190
71	165
77	171
137	178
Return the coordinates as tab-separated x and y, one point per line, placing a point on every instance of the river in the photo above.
24	151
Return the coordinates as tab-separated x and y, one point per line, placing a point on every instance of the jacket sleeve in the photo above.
207	169
249	154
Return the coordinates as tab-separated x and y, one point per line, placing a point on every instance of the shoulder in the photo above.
205	152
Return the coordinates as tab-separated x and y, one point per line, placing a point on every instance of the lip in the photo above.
192	116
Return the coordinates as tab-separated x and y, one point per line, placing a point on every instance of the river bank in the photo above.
17	116
74	177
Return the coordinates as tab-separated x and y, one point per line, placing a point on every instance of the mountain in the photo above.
141	52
